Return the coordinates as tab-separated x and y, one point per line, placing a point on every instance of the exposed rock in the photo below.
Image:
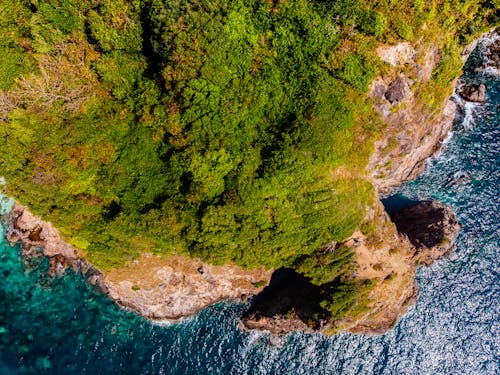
491	43
290	302
396	55
413	132
38	237
178	286
494	52
473	93
277	324
431	227
397	90
171	288
31	231
34	234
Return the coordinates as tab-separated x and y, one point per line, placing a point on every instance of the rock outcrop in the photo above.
413	132
473	93
389	259
38	237
431	227
493	54
178	286
491	44
162	288
397	90
289	303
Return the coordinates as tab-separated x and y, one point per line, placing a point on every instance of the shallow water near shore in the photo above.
65	326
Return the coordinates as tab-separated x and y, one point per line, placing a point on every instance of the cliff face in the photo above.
413	132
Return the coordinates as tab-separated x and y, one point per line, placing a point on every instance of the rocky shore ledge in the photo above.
157	288
40	238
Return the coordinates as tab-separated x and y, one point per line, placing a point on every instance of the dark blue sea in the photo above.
64	326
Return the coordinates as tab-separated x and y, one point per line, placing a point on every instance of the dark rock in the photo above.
58	264
35	234
473	93
290	302
431	227
493	53
378	91
397	90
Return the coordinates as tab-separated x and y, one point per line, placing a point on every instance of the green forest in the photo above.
231	131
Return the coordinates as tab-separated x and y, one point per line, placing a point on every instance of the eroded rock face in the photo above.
473	93
413	132
169	288
431	227
494	51
39	237
163	288
289	303
397	90
398	54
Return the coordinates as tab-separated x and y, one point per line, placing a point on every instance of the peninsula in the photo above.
183	152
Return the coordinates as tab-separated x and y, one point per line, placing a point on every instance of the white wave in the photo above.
491	70
163	323
489	67
469	122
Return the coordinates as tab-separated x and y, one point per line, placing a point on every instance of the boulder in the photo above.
473	93
397	90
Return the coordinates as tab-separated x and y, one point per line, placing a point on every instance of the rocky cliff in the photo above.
387	260
156	287
171	288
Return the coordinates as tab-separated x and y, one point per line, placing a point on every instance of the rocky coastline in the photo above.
179	286
417	235
158	288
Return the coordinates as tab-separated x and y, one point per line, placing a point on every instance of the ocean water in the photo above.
64	326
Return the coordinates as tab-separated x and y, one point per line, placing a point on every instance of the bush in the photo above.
357	73
373	23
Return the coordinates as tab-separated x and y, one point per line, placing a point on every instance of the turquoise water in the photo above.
65	326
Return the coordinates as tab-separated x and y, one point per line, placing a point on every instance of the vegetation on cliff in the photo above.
226	130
